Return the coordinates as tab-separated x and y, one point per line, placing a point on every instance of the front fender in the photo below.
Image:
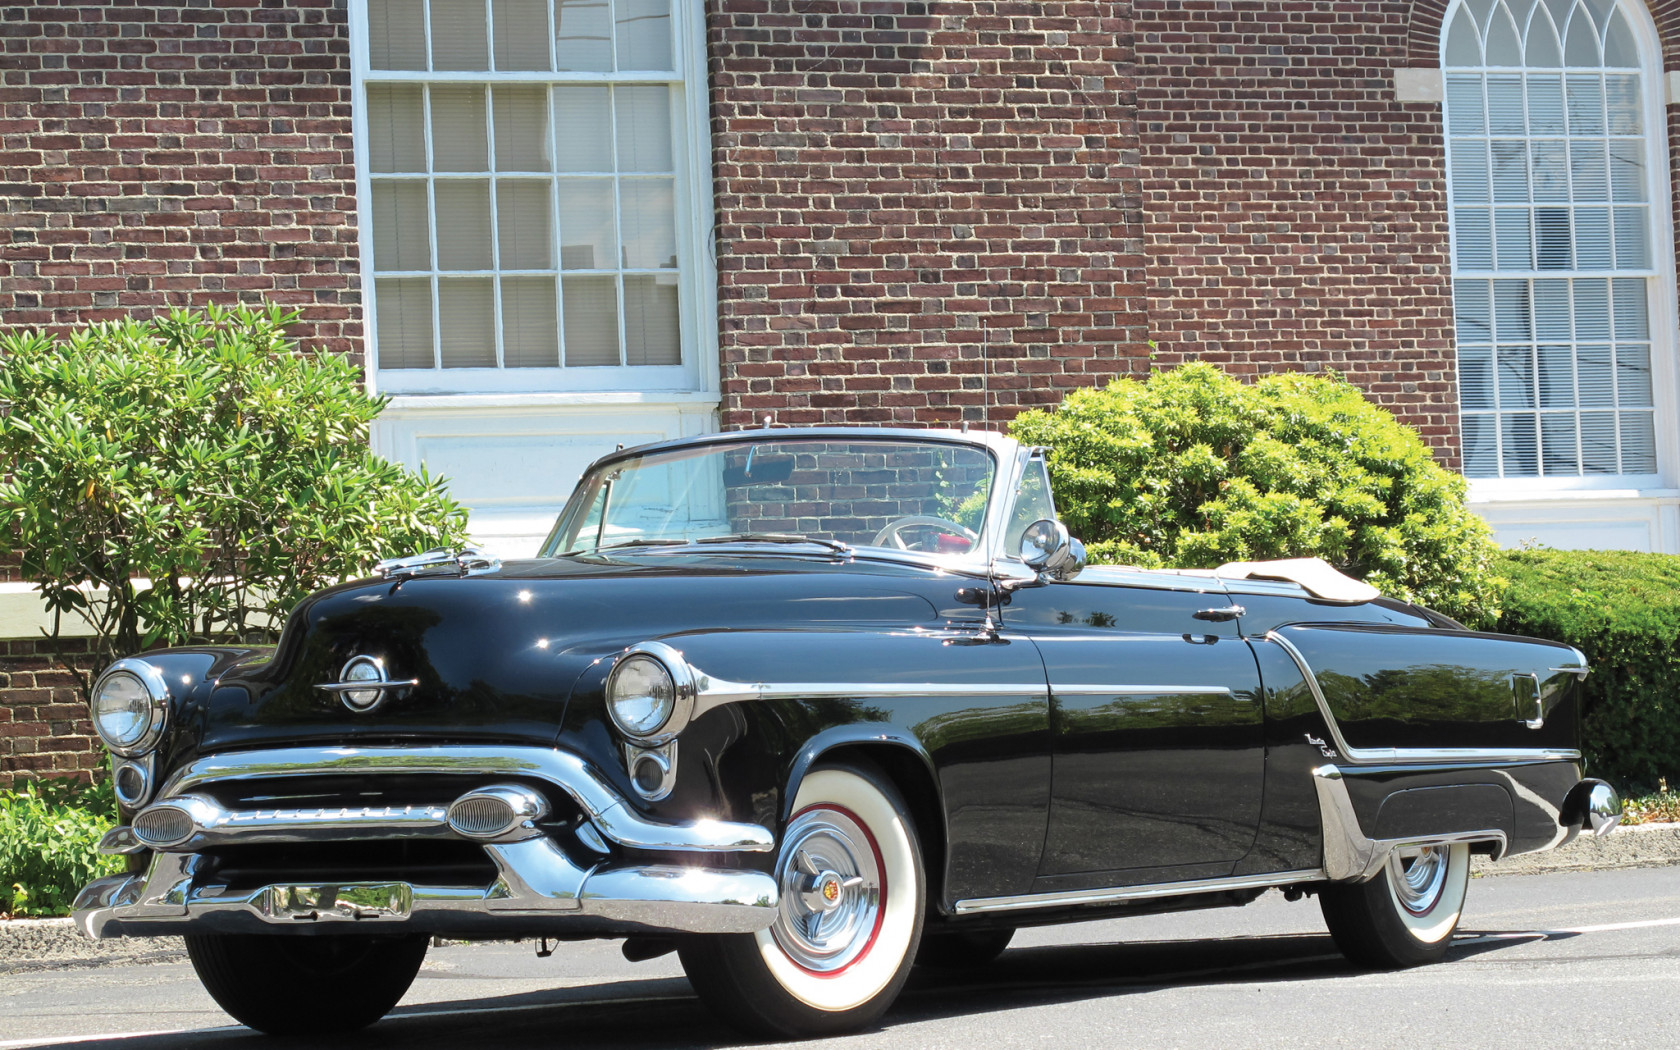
864	735
960	716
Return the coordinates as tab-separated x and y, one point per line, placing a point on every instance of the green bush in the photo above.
48	835
1191	469
202	451
1660	808
1622	609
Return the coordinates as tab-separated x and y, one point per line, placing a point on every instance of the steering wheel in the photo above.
889	536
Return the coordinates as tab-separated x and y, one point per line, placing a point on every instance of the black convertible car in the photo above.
809	707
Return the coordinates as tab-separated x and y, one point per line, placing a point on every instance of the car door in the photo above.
1157	732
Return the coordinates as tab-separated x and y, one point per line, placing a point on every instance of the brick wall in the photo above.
155	155
1295	214
908	191
44	726
164	154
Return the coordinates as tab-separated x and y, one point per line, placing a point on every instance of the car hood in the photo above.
494	657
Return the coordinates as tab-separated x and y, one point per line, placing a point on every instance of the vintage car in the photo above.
809	707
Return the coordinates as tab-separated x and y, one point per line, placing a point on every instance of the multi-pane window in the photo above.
524	162
1552	238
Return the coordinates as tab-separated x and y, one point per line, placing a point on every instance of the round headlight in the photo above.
641	695
130	706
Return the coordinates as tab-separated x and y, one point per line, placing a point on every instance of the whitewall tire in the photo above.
1406	915
852	888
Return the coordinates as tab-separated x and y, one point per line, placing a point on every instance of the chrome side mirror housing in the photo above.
1047	549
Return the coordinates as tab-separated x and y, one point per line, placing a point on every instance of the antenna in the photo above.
985	376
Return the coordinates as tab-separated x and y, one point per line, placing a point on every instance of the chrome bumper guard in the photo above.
536	880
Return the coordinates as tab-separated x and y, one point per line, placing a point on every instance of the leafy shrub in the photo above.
202	451
1660	808
48	835
1191	468
1622	609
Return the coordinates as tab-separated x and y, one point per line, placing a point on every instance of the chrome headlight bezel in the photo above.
683	692
151	680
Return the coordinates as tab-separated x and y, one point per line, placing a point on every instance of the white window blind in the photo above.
525	180
1552	238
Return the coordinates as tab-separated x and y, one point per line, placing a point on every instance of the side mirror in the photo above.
1046	548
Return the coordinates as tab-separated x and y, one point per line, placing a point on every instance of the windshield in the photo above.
904	495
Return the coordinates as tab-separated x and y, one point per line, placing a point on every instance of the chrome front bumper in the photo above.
537	881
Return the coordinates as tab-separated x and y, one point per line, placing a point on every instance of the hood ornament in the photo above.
440	561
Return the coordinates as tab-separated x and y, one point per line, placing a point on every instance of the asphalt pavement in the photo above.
1584	959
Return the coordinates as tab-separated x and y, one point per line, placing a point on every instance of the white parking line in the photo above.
1567	931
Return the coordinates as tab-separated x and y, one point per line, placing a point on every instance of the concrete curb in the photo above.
55	944
1637	846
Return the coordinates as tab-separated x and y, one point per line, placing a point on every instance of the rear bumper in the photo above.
539	887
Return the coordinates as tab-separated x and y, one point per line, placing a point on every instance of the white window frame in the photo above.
698	372
1665	342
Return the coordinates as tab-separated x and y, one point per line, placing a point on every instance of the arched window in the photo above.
1555	175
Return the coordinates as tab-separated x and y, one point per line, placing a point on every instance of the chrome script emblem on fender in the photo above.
364	685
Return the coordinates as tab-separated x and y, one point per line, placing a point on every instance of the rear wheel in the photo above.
852	892
1406	915
286	985
962	949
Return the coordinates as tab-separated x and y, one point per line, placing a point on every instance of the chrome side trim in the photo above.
1350	856
1073	898
586	785
716	692
535	879
1408	755
1139	690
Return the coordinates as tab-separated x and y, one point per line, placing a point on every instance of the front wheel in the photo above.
297	985
1406	915
851	898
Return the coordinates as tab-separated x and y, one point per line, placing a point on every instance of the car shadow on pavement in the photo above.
664	1013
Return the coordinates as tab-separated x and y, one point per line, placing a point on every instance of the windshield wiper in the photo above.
651	541
775	537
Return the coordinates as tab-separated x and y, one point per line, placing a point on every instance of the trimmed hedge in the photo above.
1622	609
1191	468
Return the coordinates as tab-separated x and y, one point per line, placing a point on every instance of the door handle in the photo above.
1230	612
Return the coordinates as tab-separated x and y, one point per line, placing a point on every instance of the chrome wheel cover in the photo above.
832	891
1418	875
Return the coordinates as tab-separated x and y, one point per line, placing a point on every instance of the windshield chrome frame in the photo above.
1009	458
